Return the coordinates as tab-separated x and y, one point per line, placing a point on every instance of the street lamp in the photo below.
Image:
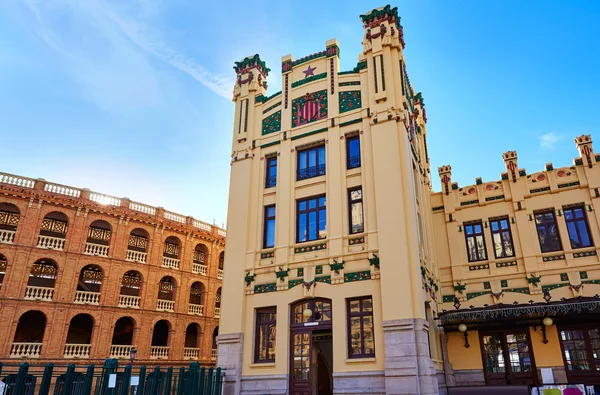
132	354
463	328
546	322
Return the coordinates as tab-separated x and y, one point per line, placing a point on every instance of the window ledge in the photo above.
360	360
263	365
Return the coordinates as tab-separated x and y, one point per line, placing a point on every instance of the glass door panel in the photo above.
493	357
521	369
300	378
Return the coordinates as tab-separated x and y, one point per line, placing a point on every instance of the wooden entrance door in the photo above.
301	366
507	358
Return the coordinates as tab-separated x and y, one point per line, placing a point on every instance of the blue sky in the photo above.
132	97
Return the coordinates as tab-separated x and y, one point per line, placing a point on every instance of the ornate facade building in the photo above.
86	276
347	274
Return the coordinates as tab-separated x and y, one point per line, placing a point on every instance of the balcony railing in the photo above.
191	353
25	350
213	353
136	256
39	293
270	182
197	309
120	351
7	236
165	305
52	243
77	350
170	262
353	162
86	297
132	302
199	269
220	274
217	312
96	249
158	352
310	172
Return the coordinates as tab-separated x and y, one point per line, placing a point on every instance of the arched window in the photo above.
191	348
131	285
160	340
89	285
196	305
3	264
27	342
218	303
40	285
213	354
122	340
221	265
79	336
137	246
98	238
171	252
166	295
53	231
200	259
9	220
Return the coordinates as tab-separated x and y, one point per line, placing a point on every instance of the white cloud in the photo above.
549	140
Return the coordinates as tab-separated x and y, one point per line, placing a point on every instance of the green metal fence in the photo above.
109	379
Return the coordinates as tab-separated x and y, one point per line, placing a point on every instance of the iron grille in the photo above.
199	256
353	162
196	290
131	281
45	270
166	286
171	249
138	241
7	218
99	234
271	182
310	172
54	225
92	275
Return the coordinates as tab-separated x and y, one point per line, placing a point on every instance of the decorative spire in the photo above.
584	146
445	173
510	161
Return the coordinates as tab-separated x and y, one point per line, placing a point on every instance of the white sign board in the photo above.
135	380
547	376
112	380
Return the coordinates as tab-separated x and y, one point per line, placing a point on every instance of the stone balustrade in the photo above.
77	351
25	350
86	297
220	274
62	189
159	352
171	263
199	269
120	351
165	305
19	181
7	236
136	256
96	249
39	293
128	301
196	309
217	312
52	243
191	353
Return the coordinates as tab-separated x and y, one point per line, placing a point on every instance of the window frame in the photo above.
585	328
257	326
320	168
576	220
361	315
350	204
271	180
545	224
500	231
352	159
266	219
307	211
482	234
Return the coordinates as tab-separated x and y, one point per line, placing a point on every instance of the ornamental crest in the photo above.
309	108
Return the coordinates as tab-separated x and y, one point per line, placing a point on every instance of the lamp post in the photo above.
132	354
463	328
546	322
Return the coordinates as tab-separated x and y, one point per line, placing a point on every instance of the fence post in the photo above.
209	382
191	385
68	383
21	379
218	382
46	379
142	380
126	382
180	382
167	384
89	378
1	366
155	383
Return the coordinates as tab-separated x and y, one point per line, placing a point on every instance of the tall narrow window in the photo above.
264	347
361	336
579	232
502	238
375	73
311	219
269	234
355	205
271	176
352	152
547	231
311	163
382	73
475	241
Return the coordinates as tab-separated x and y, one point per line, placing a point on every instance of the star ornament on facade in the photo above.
309	71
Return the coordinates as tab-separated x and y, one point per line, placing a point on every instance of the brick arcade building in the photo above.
87	276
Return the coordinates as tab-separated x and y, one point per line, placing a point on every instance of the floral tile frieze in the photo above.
356	240
314	247
551	258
